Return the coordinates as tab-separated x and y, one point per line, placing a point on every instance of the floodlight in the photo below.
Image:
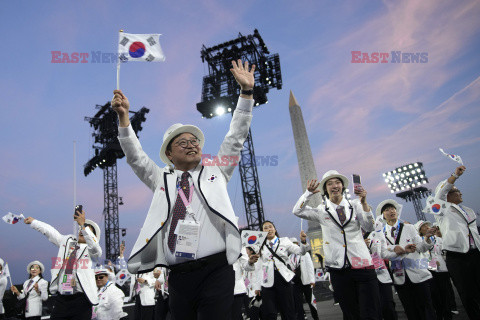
219	111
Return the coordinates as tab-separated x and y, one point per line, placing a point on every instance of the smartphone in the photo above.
78	208
357	183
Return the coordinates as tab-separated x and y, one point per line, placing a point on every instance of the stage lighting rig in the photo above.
220	93
407	181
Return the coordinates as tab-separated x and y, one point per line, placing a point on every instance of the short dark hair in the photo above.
325	187
388	205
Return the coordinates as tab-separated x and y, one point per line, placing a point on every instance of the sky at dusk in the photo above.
365	118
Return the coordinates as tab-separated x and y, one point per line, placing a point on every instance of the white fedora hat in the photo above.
380	206
330	174
95	227
105	271
174	131
42	268
420	223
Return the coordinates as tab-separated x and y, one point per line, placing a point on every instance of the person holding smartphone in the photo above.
347	258
73	276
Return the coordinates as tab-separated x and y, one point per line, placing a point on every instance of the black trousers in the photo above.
278	297
161	308
416	299
451	295
357	292
465	272
143	312
386	301
238	301
71	307
203	294
298	297
308	293
440	295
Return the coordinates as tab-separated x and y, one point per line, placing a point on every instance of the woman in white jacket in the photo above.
276	277
35	289
3	286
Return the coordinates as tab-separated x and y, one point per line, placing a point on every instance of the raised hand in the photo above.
122	249
79	217
121	106
460	170
312	186
28	220
303	236
244	77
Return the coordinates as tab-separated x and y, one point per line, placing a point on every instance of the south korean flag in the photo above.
140	47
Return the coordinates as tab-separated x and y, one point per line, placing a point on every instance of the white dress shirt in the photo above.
212	229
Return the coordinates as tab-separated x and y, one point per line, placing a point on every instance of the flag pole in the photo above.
118	61
301	224
74	185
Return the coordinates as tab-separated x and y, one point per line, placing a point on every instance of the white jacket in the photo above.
415	264
437	260
147	252
110	303
379	252
252	281
283	248
3	287
307	271
340	242
85	272
147	289
456	222
241	266
35	300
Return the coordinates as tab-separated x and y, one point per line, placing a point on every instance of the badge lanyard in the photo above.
184	199
95	308
188	232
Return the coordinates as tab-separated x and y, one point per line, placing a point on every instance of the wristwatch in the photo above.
247	92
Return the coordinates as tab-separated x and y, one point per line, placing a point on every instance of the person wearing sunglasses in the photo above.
110	298
191	226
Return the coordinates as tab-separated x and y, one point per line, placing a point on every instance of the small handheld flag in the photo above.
435	206
12	218
122	277
138	47
453	157
253	239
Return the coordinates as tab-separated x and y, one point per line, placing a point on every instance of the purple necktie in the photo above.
179	211
341	214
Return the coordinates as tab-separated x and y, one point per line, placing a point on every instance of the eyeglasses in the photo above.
99	277
184	143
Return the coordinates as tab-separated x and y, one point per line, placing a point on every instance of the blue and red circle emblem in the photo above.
136	50
123	276
252	240
436	207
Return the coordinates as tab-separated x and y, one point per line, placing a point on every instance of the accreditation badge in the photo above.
188	234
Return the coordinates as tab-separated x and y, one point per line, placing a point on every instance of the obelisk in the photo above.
307	170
